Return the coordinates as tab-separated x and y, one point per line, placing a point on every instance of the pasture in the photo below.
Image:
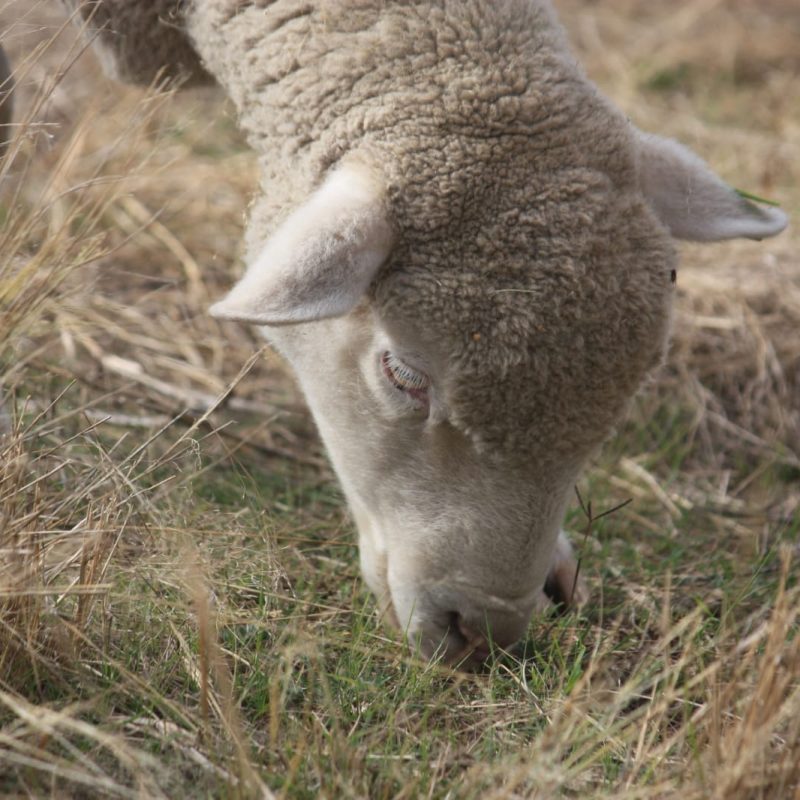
181	612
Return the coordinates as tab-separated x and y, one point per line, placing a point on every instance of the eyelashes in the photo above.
405	378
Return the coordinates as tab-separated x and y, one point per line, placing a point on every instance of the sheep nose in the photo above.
477	646
470	644
461	628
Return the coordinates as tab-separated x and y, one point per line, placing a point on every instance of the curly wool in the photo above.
512	184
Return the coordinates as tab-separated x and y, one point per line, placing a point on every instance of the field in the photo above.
181	613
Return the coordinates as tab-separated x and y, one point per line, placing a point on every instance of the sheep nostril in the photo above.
476	645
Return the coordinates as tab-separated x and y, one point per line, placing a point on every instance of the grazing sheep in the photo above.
465	252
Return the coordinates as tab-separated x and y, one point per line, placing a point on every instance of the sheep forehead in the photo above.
546	319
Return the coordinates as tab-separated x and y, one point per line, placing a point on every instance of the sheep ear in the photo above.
692	201
321	260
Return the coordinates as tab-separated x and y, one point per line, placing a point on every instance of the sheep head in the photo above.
463	358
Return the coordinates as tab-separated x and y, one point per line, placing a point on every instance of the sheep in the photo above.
466	253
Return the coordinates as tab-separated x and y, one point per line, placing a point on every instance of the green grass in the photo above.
330	704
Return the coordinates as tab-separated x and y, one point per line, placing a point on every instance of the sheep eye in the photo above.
405	378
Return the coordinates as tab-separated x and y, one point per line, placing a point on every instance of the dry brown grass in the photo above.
180	613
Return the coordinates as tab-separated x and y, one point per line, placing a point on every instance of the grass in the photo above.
181	613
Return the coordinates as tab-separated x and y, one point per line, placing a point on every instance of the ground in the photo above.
181	613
